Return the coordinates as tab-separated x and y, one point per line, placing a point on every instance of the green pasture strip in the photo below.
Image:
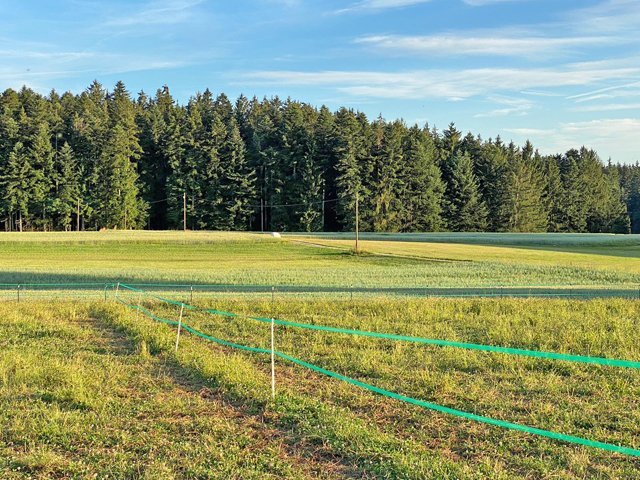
609	362
332	430
432	406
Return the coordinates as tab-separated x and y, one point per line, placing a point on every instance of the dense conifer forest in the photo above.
103	159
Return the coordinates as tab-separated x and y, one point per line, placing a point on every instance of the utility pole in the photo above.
262	215
323	202
357	224
184	211
78	216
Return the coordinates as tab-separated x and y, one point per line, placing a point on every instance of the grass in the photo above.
237	258
599	403
80	400
91	389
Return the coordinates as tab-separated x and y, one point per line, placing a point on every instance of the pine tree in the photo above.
553	194
523	207
17	182
423	189
239	182
41	159
116	194
68	192
349	177
387	182
465	211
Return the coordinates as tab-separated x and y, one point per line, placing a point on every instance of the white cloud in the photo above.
373	5
443	83
482	3
609	16
163	12
595	94
511	106
608	107
481	43
609	137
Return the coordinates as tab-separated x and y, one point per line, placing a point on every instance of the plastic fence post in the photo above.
191	297
117	289
273	360
18	293
139	305
179	325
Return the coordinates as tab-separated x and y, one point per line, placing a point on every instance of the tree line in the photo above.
103	159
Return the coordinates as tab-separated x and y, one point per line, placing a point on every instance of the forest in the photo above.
106	160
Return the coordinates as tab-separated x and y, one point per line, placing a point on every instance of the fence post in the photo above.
139	305
273	294
273	360
105	291
191	296
117	289
179	325
18	292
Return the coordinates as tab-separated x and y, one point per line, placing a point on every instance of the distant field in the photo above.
411	260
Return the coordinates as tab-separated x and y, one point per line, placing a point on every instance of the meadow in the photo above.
95	389
398	261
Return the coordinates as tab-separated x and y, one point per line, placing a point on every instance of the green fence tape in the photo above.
609	362
403	398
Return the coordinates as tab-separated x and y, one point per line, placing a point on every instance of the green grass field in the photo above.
435	260
99	391
92	389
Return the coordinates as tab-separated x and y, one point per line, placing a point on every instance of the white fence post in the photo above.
179	325
273	360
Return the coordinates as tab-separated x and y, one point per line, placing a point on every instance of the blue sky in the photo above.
561	73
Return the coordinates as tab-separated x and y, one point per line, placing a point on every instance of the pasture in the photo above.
434	260
96	388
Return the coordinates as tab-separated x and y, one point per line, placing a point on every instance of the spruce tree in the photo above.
17	182
465	211
523	208
423	188
65	199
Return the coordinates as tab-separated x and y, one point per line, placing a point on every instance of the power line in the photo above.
265	205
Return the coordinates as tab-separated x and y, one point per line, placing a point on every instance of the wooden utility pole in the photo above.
323	202
357	225
184	211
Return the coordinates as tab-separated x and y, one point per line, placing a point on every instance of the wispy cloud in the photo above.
157	13
377	5
595	94
606	136
608	107
34	64
482	3
443	83
613	16
481	43
510	106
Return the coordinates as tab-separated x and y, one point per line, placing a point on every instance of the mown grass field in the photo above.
95	390
91	389
439	260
